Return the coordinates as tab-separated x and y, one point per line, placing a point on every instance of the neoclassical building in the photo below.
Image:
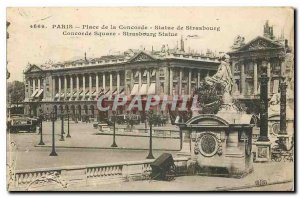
76	85
247	60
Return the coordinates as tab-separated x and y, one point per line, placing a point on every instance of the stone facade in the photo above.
76	85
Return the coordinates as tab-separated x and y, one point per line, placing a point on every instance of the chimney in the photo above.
181	44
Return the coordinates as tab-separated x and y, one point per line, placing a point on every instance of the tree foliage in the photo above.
16	91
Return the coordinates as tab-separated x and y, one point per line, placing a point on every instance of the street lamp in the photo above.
114	126
150	120
62	127
53	118
41	129
68	135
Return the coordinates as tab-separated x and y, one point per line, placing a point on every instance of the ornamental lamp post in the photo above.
282	134
114	144
53	118
263	144
263	137
62	127
68	135
150	121
41	128
283	87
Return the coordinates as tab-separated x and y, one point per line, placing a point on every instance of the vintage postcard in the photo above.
150	99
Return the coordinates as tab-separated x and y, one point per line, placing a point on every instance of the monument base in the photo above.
263	153
185	151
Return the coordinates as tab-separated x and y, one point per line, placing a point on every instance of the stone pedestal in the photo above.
186	149
263	153
218	146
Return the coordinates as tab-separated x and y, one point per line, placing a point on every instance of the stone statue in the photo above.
274	104
223	77
238	42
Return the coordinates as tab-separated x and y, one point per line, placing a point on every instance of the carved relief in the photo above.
208	144
142	57
48	178
261	44
238	42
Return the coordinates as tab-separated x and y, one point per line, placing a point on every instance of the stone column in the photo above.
190	83
90	86
126	84
53	88
33	84
148	77
157	82
269	76
97	83
59	87
283	87
71	87
166	80
131	81
39	83
44	88
50	84
83	86
180	82
77	87
103	78
118	82
171	81
110	82
29	88
65	86
255	78
243	82
140	79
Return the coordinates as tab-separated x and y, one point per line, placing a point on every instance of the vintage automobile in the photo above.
19	123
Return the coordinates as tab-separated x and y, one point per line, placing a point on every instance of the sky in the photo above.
37	46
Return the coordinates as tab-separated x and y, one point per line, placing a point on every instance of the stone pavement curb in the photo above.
93	147
119	134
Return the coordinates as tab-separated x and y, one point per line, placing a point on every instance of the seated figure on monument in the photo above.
224	77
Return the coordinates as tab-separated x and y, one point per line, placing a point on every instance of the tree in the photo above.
16	91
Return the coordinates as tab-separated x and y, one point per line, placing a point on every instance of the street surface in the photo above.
84	147
277	177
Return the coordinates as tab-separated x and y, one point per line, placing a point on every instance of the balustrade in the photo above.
112	172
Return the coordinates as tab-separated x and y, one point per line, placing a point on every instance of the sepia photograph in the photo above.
150	99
